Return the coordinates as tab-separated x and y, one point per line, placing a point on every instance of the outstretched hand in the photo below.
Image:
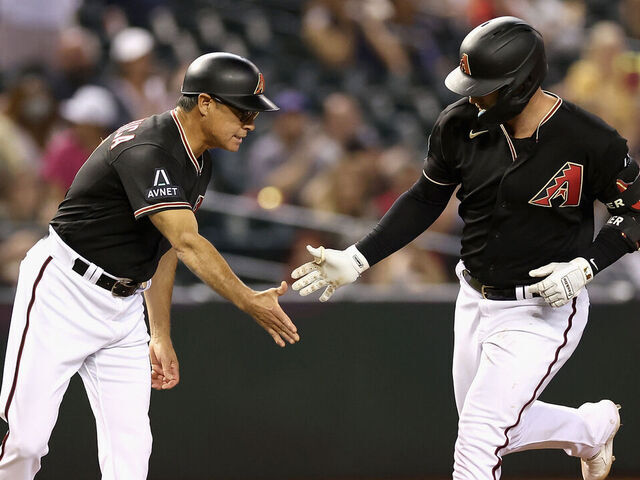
165	371
329	268
268	313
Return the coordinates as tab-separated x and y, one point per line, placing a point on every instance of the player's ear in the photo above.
204	103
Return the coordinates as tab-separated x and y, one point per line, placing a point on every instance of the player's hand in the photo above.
330	268
268	313
165	370
564	280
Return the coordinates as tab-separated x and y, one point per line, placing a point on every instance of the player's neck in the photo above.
195	137
525	124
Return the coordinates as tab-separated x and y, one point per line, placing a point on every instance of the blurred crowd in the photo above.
359	83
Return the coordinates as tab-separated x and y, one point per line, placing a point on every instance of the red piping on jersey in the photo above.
150	208
535	392
553	110
22	341
514	154
187	147
548	115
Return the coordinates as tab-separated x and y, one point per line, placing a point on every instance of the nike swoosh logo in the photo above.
473	134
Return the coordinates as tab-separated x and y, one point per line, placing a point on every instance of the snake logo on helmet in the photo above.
507	55
230	78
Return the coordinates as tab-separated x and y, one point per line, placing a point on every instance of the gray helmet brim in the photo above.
466	85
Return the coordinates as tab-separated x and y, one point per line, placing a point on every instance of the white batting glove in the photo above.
330	268
564	280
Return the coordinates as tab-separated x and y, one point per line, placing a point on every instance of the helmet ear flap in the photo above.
525	87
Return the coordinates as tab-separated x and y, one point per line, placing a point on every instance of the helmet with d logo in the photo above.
505	54
230	78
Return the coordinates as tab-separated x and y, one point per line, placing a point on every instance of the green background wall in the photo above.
367	393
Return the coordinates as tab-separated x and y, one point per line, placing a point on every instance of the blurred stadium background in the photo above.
360	83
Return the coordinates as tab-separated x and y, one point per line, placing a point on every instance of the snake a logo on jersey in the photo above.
162	187
564	189
199	201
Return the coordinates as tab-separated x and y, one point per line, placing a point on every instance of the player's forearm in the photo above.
408	217
202	258
608	247
158	296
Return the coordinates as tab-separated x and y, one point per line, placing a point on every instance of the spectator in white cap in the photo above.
139	91
92	113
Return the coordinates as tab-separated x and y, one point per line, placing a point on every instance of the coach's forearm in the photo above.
202	258
158	296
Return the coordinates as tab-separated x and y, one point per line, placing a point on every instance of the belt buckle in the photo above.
483	293
124	287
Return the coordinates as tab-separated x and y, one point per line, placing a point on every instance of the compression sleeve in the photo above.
608	247
621	234
411	214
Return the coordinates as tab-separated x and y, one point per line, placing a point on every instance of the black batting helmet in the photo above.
231	78
504	54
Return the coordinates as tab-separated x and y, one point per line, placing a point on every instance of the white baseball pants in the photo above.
505	354
63	324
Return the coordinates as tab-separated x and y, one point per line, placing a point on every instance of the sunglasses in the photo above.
245	116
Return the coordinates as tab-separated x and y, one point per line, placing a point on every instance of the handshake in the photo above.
334	268
329	268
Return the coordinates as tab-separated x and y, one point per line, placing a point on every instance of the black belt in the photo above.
493	293
119	288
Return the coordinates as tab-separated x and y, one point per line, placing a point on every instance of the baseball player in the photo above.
124	223
529	167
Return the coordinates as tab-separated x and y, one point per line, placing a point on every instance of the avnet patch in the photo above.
169	191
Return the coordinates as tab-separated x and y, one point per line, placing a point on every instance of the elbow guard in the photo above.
624	206
629	227
627	188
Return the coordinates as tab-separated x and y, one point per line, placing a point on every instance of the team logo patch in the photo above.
464	64
260	85
198	203
563	190
162	187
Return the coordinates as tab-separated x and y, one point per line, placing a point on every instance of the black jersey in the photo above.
144	167
524	202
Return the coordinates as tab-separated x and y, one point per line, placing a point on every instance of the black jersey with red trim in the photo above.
142	168
524	202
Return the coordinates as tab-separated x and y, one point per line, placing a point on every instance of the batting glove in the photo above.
330	268
564	280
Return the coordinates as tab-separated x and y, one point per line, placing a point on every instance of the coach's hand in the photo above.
330	268
165	371
564	280
268	313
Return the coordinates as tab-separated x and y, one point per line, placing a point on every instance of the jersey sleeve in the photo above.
437	167
607	167
152	180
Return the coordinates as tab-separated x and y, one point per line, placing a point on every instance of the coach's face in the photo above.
226	126
486	101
